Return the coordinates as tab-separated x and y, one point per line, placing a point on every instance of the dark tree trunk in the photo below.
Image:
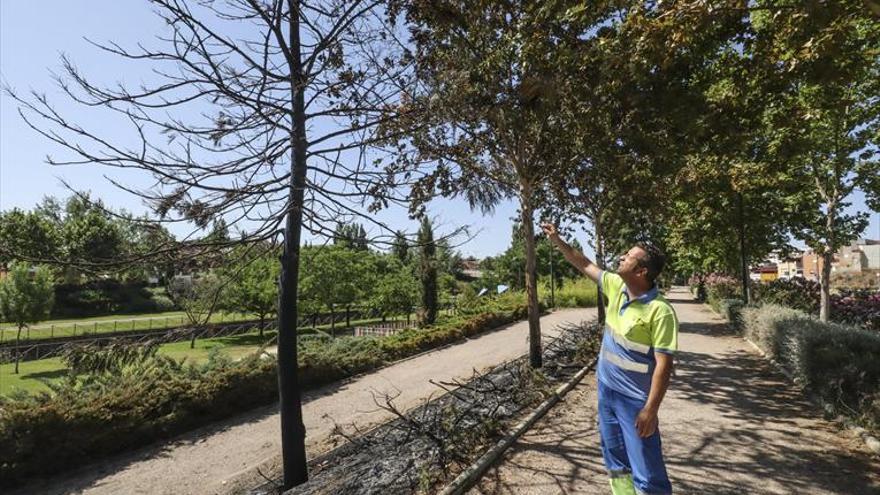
293	433
17	349
535	358
825	286
743	256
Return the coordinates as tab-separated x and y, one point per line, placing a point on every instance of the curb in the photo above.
869	440
469	476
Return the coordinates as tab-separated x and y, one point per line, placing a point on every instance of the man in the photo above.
641	335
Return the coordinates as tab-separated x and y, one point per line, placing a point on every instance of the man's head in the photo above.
643	262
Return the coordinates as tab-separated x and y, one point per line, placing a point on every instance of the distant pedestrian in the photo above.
635	364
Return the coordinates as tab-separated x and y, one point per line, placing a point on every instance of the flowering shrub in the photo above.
853	307
719	286
857	307
798	293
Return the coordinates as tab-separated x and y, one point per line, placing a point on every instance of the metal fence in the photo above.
30	351
383	329
49	348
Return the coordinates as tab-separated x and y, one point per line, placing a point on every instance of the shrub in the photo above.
798	293
857	307
96	415
839	364
730	309
104	297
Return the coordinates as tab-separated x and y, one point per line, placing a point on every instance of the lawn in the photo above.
32	373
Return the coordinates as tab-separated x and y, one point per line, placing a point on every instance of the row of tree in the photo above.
85	240
715	128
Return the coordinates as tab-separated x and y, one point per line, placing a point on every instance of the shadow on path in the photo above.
731	425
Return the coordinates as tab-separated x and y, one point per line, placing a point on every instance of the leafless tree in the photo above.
260	112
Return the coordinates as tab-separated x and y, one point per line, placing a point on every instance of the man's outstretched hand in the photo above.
549	230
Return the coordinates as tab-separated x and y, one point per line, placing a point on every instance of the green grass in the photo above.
32	373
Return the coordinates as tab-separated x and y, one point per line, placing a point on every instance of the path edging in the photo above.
869	440
475	471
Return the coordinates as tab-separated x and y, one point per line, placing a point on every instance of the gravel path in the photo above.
731	425
223	458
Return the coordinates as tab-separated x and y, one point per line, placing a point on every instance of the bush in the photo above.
730	309
130	397
105	297
98	415
573	293
798	293
722	287
857	307
839	364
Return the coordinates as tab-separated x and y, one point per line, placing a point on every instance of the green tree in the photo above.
351	236
199	297
400	247
27	235
252	284
824	125
427	272
92	240
335	275
26	297
396	292
484	112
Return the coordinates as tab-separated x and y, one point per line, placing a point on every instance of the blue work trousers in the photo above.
635	464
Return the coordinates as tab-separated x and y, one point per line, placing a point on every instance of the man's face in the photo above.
631	262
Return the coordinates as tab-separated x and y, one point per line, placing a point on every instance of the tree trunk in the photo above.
535	358
744	261
600	261
17	349
262	325
825	286
552	282
293	432
332	319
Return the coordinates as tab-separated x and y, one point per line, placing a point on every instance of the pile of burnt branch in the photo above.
428	445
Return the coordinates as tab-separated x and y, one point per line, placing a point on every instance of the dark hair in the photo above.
654	259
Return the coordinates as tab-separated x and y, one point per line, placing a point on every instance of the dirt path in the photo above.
731	425
223	457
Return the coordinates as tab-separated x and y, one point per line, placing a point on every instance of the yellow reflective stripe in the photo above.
629	344
624	363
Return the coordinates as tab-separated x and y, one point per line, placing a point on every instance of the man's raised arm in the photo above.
573	256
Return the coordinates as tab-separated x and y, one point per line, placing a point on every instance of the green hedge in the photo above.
839	364
92	416
729	309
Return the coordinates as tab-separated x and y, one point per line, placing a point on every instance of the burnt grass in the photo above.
430	444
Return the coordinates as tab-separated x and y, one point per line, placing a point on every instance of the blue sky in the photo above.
32	37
